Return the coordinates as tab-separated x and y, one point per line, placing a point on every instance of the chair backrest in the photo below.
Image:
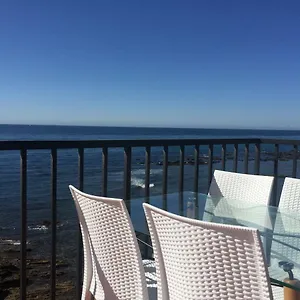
290	194
242	187
203	260
113	266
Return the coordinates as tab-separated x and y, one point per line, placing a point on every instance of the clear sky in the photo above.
201	63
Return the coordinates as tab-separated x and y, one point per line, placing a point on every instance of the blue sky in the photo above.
232	64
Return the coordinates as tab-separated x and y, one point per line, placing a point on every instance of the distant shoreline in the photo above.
156	127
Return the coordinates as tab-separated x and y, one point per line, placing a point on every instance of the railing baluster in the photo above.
53	220
295	157
196	168
23	190
275	173
196	180
223	157
104	170
210	164
235	157
147	189
165	176
181	169
147	173
257	159
127	176
181	178
246	159
81	167
80	252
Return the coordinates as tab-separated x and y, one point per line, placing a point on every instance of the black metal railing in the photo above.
237	145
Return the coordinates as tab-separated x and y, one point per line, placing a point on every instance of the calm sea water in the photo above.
39	209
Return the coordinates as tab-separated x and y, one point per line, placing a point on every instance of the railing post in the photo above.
53	221
80	252
196	179
295	157
165	176
257	159
81	167
210	164
127	177
246	159
181	178
23	189
223	157
235	157
147	173
196	168
104	170
274	200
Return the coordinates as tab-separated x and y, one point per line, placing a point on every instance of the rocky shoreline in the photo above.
38	275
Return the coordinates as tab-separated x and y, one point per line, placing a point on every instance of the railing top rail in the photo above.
56	144
44	144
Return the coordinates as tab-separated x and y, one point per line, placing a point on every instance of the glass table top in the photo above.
279	229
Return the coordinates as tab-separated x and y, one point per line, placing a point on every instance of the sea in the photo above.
39	175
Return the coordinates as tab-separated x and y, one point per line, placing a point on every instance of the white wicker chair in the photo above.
283	246
113	268
290	195
203	260
244	190
242	187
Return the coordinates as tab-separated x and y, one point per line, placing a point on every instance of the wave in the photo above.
32	227
38	227
43	227
138	177
10	242
140	183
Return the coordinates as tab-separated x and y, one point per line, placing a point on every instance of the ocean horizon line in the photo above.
153	127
